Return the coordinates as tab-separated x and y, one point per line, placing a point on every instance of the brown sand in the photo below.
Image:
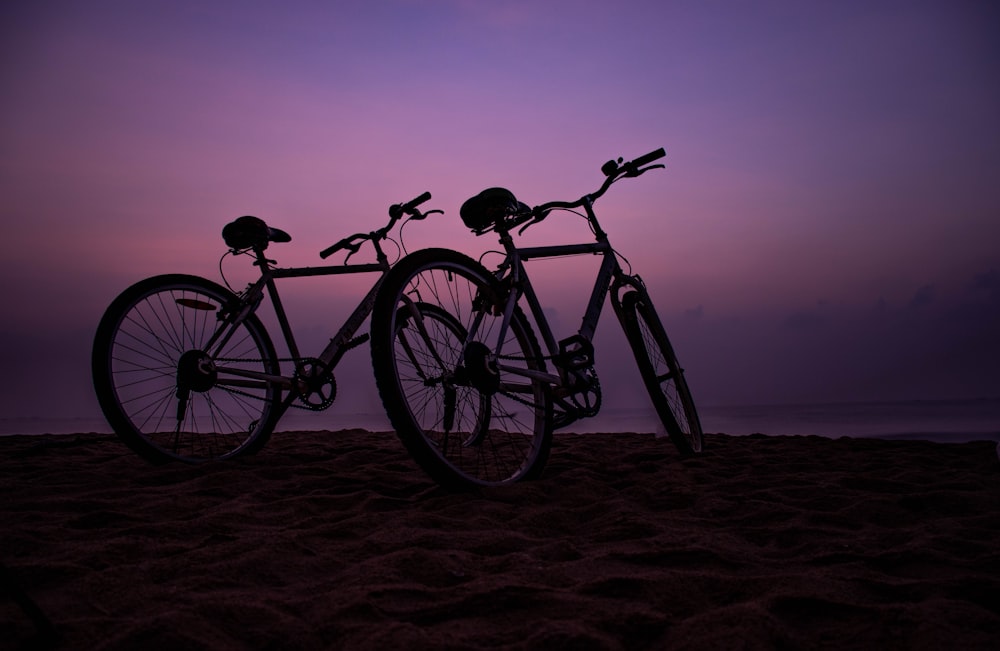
336	540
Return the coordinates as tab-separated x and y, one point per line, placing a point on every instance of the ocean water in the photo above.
935	420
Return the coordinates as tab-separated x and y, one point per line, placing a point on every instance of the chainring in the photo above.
583	402
314	387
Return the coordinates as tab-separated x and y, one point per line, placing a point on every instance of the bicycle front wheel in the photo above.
661	372
462	396
176	380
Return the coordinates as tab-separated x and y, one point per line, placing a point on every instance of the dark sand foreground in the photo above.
336	540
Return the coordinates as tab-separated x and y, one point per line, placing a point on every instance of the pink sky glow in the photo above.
826	228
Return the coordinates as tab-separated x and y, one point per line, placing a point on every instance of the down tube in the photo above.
593	314
335	350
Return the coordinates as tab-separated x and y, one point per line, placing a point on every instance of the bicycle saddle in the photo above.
483	211
251	232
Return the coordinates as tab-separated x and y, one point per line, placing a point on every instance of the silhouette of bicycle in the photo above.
459	367
185	370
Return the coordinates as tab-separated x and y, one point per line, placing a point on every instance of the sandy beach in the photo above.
337	540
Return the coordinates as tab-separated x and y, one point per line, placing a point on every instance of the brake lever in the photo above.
531	222
353	249
640	171
423	215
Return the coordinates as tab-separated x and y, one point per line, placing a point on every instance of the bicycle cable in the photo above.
400	248
222	273
590	224
486	253
402	243
623	259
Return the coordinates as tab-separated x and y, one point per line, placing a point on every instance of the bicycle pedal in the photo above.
575	353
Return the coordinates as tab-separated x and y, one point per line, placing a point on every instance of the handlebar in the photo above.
614	170
397	210
648	158
353	243
346	243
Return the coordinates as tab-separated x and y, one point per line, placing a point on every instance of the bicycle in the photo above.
459	367
184	368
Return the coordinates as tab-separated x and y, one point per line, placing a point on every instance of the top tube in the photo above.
559	250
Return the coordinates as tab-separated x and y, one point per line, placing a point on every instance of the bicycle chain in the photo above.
595	386
524	401
296	405
515	398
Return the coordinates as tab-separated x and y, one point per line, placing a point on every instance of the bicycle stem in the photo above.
588	205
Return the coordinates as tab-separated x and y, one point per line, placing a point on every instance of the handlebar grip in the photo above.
345	243
397	210
648	158
426	196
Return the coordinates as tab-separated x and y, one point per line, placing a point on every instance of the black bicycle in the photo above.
458	365
185	370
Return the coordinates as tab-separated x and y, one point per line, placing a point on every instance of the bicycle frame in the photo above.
474	383
513	274
251	298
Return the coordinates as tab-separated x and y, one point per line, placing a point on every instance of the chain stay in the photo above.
297	360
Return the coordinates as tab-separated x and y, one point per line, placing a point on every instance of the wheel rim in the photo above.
482	436
669	377
174	395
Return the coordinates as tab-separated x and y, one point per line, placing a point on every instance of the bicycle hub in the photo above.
481	368
196	371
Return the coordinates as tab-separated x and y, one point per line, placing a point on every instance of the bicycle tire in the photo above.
488	436
144	350
661	373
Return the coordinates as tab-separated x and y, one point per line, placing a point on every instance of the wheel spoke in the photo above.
448	408
661	373
137	358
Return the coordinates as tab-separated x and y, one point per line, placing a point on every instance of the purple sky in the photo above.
826	228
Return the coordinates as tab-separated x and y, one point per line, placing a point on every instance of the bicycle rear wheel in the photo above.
161	365
461	401
661	372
